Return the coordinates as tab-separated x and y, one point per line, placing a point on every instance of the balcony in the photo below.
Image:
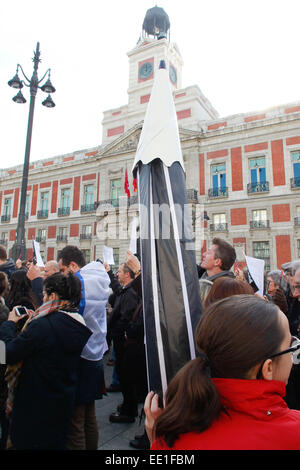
218	192
40	239
85	236
42	214
3	241
86	208
297	221
259	224
62	238
223	227
61	211
258	187
192	195
295	183
5	218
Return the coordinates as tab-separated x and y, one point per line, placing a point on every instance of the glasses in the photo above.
294	349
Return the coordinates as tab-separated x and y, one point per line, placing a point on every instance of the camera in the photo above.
21	311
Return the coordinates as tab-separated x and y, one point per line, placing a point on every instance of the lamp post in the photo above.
19	248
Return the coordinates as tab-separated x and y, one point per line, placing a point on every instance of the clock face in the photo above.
146	70
173	74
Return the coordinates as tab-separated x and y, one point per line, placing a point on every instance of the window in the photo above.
219	222
297	216
261	250
27	205
87	255
298	248
88	195
116	255
4	238
44	201
258	175
7	207
41	236
259	218
65	198
218	173
115	192
62	234
296	168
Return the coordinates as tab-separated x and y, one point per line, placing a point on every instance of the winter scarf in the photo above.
13	371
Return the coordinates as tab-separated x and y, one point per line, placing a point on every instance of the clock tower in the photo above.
153	46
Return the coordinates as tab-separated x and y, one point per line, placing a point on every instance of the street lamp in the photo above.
19	247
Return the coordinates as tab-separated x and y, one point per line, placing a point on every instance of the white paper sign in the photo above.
133	243
108	255
39	261
256	270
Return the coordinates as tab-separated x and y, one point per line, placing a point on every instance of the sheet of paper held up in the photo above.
108	255
256	269
38	257
133	242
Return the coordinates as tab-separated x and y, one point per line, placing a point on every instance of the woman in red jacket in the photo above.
231	395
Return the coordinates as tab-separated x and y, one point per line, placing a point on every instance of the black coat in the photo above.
50	349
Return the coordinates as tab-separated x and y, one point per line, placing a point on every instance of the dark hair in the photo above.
224	287
127	269
3	283
21	292
71	253
225	252
66	287
235	334
3	253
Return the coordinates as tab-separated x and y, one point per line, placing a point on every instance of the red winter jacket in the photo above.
258	419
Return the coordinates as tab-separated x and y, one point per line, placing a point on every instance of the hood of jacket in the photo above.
70	330
8	267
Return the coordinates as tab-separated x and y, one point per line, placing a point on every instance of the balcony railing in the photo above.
5	218
85	236
63	211
3	241
89	207
258	187
295	183
218	192
192	195
42	214
223	227
259	224
297	221
62	238
40	239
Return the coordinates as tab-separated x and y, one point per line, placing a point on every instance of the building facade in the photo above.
242	172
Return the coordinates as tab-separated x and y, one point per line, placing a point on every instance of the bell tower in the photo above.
153	46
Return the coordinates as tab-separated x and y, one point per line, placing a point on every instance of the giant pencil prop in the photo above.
171	297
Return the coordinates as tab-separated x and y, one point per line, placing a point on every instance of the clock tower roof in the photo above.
156	22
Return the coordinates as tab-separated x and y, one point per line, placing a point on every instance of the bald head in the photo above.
51	267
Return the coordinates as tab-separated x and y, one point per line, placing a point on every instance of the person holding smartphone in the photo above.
42	365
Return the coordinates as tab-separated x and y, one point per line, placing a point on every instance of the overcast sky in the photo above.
243	55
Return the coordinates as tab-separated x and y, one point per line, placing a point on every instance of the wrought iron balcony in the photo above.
297	221
89	207
3	241
192	195
259	224
218	192
223	227
62	238
40	239
63	211
85	236
5	218
258	187
42	214
295	183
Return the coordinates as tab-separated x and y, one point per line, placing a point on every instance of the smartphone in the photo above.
21	311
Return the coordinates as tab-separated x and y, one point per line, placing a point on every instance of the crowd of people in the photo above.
241	392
